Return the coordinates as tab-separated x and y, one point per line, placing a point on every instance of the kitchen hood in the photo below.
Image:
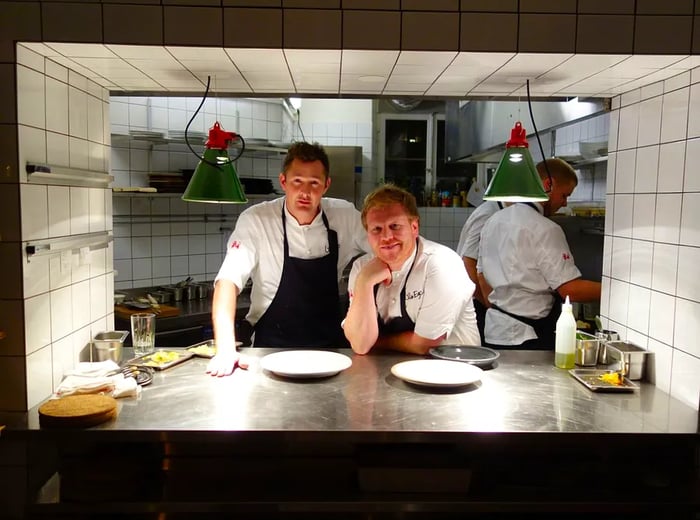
476	131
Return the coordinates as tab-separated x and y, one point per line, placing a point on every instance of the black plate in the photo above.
479	356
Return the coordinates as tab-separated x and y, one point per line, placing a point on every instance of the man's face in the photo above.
558	196
304	184
392	234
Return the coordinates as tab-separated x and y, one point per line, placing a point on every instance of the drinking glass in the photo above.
143	333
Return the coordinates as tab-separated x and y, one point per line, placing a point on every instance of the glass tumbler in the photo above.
143	333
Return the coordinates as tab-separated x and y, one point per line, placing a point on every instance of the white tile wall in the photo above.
162	239
657	305
61	119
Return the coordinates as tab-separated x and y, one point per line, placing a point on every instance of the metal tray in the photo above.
589	377
148	361
206	348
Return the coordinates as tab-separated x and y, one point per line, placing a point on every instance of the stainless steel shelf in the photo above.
123	139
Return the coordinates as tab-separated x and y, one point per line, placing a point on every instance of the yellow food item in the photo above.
613	378
203	350
162	357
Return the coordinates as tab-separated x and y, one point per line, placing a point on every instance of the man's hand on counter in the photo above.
224	363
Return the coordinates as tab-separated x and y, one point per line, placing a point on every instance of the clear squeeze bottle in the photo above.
565	342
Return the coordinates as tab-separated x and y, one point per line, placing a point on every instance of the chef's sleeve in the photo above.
241	253
554	258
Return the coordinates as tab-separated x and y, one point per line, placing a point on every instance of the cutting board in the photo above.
166	311
77	411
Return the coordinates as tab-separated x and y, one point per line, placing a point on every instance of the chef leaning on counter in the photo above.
526	268
295	249
410	294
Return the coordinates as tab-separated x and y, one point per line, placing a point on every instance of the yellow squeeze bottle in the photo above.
565	342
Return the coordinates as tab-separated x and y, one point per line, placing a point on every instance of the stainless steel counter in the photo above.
364	444
523	393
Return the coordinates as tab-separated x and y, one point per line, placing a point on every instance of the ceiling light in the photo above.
516	178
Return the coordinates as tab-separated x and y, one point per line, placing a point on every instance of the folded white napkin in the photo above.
95	378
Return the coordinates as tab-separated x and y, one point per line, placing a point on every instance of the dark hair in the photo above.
306	152
390	194
562	172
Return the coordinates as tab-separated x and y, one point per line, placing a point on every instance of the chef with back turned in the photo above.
526	269
294	249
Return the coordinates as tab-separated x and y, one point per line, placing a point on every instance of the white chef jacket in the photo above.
438	294
255	249
524	256
471	231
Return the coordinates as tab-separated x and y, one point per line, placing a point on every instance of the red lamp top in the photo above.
219	138
517	137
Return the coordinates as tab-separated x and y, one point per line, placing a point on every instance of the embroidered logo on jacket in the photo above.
566	256
414	294
235	244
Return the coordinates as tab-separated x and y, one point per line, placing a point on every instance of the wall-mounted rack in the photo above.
173	218
51	246
62	176
196	139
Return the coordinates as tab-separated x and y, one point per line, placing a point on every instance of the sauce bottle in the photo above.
565	343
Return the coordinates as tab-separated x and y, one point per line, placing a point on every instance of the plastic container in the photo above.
109	345
565	343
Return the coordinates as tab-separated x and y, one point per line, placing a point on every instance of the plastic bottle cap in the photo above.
567	304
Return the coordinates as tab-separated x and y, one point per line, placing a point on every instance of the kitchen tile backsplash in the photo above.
653	300
61	122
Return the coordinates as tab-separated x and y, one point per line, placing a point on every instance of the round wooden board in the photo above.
77	411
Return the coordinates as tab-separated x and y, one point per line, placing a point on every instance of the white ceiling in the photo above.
331	73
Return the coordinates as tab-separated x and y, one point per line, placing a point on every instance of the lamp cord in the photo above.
537	135
299	124
187	141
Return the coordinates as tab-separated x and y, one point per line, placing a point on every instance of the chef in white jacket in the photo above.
410	294
295	249
468	249
526	267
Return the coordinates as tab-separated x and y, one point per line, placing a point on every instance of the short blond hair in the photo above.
560	170
385	196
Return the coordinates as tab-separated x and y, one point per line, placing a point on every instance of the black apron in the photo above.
305	311
401	323
545	327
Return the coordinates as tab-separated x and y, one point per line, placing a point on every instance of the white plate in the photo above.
437	372
305	363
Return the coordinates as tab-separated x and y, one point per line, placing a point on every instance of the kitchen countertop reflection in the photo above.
524	392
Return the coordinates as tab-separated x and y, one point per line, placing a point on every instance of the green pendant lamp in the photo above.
516	178
215	179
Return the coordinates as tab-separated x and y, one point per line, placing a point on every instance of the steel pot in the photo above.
175	292
189	292
202	290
